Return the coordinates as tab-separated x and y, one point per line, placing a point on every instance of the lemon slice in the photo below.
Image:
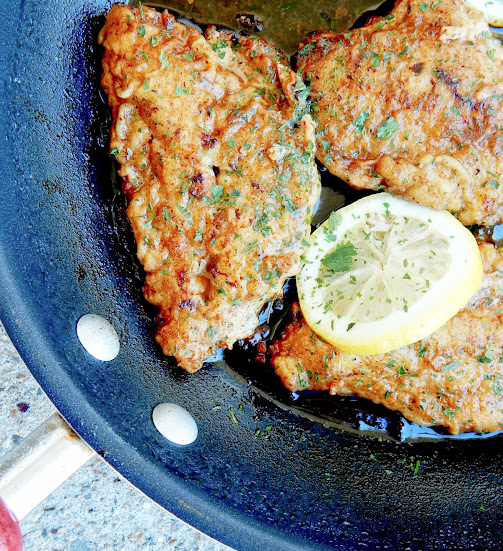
382	273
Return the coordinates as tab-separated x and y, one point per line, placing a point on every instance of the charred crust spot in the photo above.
216	170
197	179
186	304
445	77
418	68
209	141
198	185
181	276
161	320
213	270
296	312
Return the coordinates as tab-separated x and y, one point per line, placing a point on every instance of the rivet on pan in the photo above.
98	337
175	423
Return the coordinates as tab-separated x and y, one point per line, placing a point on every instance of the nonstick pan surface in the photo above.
298	482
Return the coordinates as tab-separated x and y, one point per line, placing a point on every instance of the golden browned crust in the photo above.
414	102
452	378
217	161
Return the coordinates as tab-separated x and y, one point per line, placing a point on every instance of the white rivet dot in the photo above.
175	423
98	337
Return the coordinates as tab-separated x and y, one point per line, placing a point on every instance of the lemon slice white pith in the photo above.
382	273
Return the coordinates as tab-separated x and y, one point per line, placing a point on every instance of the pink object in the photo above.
11	538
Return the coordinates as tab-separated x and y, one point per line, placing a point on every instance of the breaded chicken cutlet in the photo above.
413	102
217	161
454	377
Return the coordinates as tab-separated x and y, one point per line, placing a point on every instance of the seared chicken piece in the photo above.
452	378
413	102
217	161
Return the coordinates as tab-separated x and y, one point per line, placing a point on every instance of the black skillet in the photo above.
275	474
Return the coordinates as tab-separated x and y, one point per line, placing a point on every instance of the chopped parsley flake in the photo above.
450	366
334	221
341	259
217	192
374	59
179	91
164	62
359	123
387	129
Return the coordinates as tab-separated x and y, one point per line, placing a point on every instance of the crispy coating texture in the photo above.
217	161
452	378
414	102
